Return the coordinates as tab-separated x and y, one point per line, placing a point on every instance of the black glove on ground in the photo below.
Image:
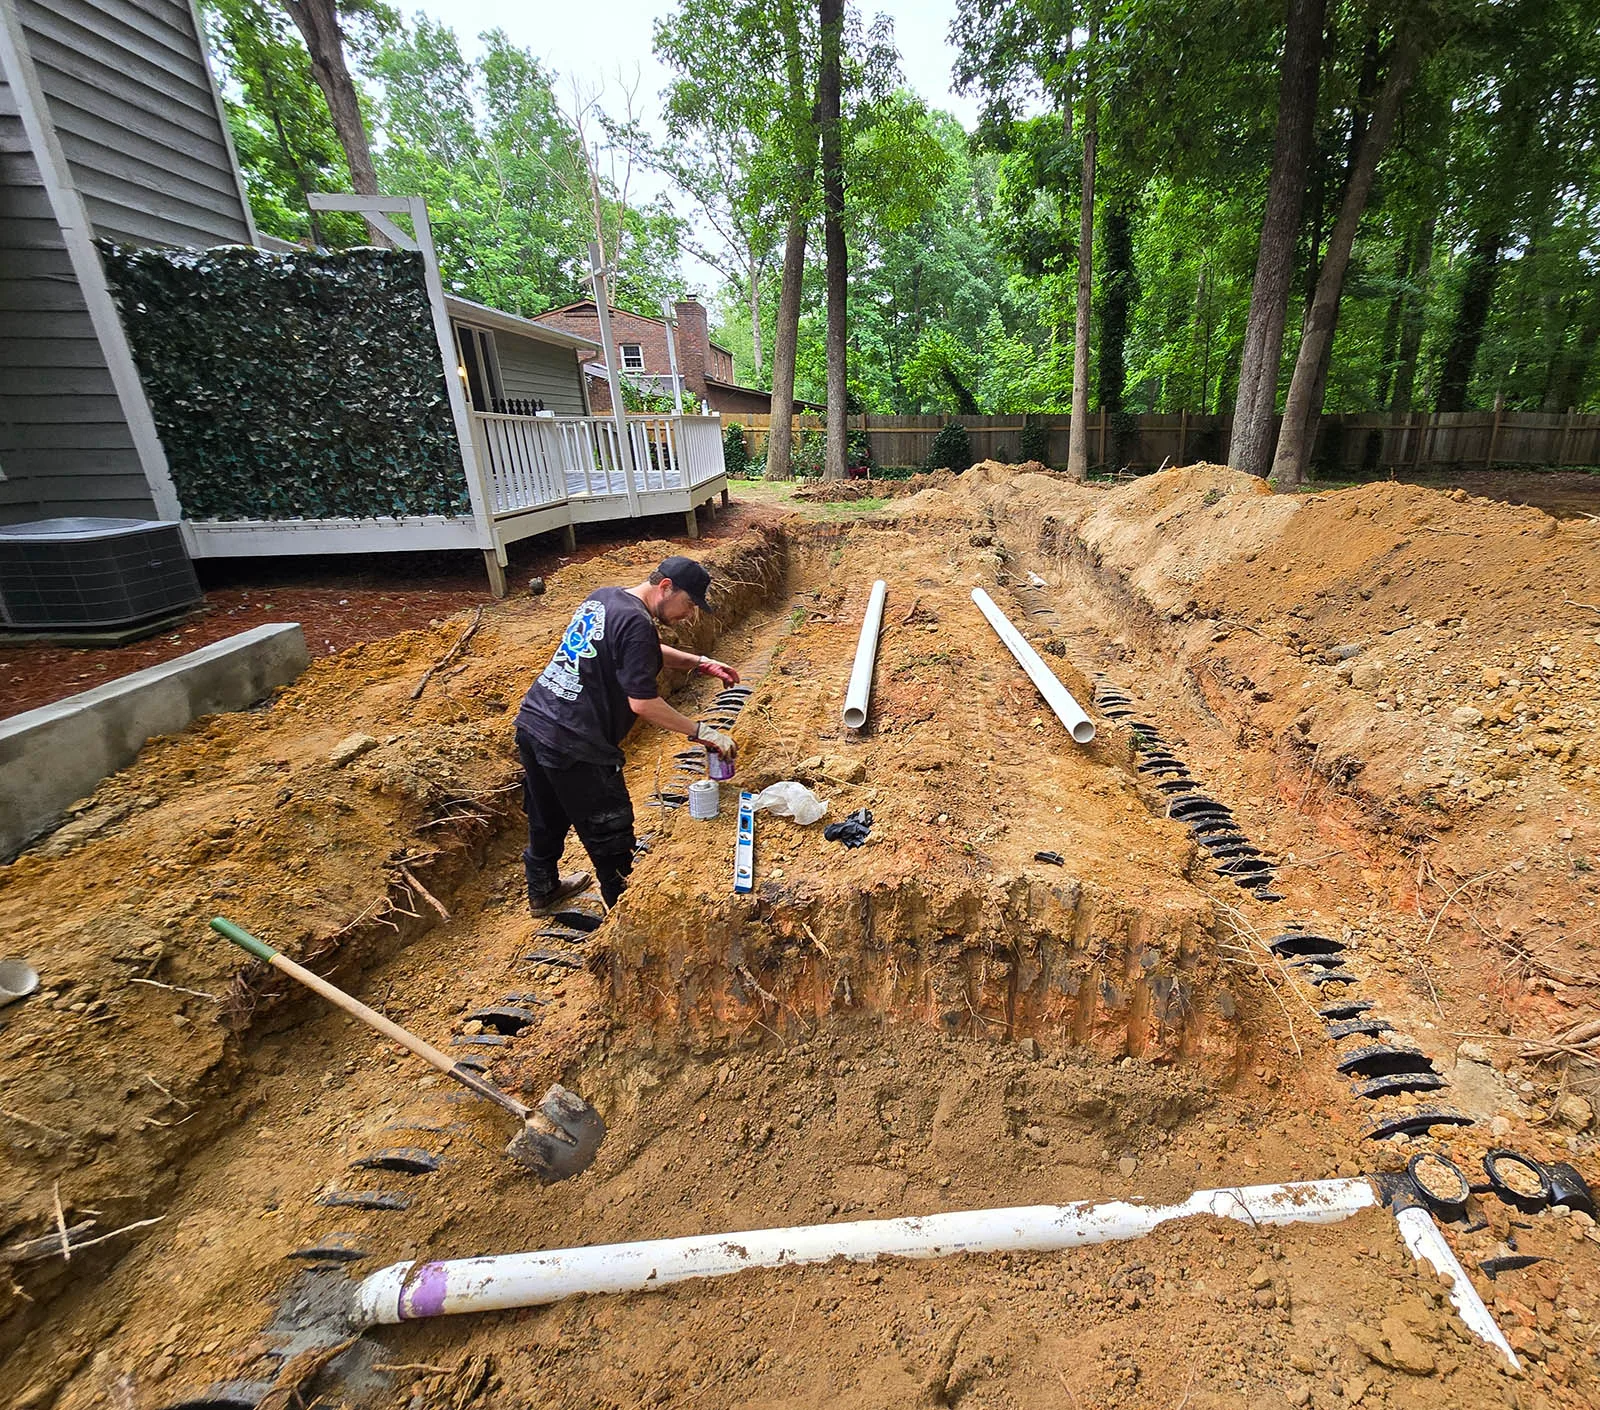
852	831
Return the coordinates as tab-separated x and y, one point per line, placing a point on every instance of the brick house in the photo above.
705	368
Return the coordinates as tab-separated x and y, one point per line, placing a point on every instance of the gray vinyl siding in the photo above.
529	368
132	105
64	445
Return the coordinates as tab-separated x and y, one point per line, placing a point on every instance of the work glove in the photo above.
714	739
852	831
726	674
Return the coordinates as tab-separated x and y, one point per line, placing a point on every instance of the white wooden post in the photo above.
608	348
477	483
376	210
670	319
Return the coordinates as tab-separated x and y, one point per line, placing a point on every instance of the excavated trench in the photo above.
1014	991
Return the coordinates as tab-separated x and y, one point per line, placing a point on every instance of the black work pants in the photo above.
591	798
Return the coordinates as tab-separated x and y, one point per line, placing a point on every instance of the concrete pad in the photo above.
51	756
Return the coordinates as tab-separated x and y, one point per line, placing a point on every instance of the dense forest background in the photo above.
1473	263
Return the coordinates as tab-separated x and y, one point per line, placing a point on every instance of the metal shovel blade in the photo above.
561	1137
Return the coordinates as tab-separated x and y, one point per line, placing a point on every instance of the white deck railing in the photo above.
536	461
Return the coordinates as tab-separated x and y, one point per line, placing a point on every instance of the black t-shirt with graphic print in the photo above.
577	711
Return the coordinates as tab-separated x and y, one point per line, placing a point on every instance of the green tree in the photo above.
279	120
728	150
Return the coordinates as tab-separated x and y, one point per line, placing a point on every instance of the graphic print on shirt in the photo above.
561	677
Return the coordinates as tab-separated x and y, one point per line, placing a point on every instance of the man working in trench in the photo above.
577	713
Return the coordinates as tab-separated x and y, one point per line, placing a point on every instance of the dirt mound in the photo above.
844	491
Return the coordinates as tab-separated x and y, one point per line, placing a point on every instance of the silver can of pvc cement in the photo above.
705	799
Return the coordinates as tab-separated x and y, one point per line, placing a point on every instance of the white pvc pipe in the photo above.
1056	695
404	1291
859	691
1426	1241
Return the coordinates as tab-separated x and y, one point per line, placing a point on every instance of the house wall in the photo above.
698	357
65	448
529	368
736	401
131	100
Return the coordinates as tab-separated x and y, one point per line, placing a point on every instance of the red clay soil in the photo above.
338	602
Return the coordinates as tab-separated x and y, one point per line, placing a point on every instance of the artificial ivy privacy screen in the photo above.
292	386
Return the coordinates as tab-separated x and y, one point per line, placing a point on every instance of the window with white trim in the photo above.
632	357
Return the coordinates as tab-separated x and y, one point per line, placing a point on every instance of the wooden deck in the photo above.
541	473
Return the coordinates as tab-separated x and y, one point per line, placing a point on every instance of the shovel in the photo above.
559	1137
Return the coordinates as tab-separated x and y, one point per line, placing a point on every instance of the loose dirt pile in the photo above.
844	491
936	1020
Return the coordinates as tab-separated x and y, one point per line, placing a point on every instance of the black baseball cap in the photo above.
692	577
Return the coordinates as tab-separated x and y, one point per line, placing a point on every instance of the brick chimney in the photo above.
694	344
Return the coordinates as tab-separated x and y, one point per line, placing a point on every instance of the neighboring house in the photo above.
705	369
111	129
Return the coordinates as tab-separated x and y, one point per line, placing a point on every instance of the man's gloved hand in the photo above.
715	739
726	674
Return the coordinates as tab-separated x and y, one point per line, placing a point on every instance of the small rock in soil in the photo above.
352	746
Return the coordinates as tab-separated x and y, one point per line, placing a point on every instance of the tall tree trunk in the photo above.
786	334
270	97
1472	313
1078	435
318	22
1118	290
755	319
786	340
1505	196
1567	388
1304	406
1391	321
1405	373
1263	340
831	17
1204	327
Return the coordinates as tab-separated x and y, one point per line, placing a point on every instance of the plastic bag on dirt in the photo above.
790	800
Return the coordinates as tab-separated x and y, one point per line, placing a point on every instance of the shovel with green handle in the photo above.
559	1136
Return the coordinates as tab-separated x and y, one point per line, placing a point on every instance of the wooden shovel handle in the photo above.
371	1017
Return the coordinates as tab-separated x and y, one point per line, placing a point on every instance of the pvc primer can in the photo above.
718	766
705	799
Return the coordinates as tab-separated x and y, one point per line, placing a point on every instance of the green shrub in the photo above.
735	458
1035	439
858	451
810	455
951	448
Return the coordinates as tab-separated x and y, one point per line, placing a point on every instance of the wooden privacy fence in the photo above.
1347	443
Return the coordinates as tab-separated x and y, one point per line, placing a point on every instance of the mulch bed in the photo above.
338	602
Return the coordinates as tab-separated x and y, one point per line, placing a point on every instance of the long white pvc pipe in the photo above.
1426	1241
1056	695
859	691
404	1291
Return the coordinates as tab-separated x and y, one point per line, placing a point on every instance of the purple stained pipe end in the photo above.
422	1294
